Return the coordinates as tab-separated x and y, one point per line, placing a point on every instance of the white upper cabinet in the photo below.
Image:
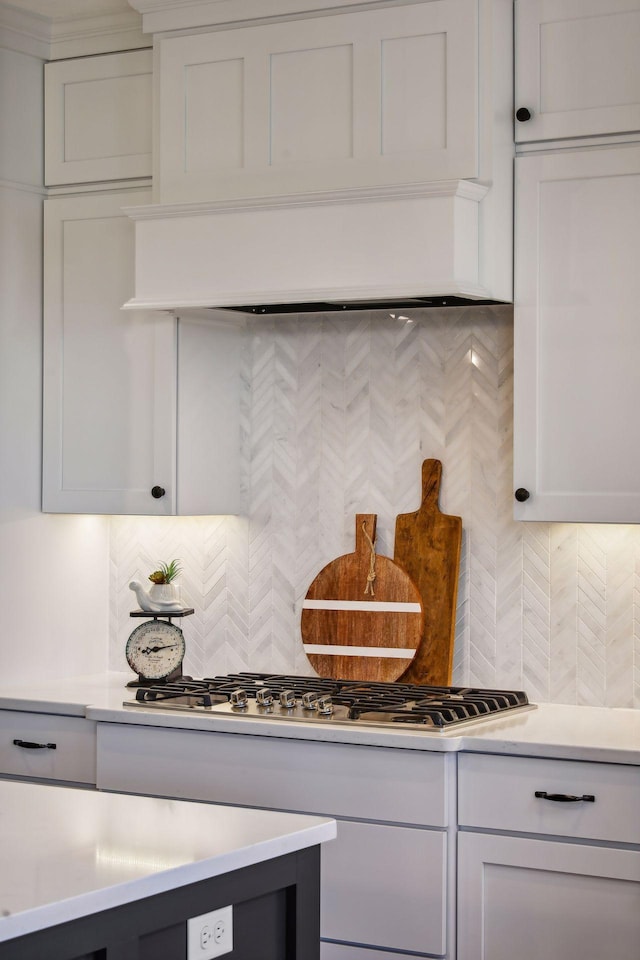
577	337
141	412
577	68
98	118
353	100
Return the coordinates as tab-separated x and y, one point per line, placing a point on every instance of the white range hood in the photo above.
411	241
332	152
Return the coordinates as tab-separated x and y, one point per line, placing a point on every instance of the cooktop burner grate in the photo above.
318	699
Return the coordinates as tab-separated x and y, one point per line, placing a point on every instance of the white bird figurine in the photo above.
151	605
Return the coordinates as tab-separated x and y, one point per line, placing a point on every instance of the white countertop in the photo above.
604	734
67	853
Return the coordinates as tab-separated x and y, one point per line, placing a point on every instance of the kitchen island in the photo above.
86	874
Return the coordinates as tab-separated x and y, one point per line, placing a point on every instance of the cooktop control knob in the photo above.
239	699
325	706
287	699
310	701
264	697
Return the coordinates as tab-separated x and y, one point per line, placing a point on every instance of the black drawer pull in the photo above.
565	797
29	745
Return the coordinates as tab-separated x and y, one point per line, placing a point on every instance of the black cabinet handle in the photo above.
521	494
523	114
30	745
157	492
565	797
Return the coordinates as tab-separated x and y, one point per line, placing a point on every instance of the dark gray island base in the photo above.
92	875
276	916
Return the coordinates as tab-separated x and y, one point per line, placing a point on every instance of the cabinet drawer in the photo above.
67	751
342	951
385	886
499	793
334	779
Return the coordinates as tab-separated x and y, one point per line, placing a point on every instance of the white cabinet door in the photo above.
533	899
577	339
98	118
339	102
577	67
126	394
385	886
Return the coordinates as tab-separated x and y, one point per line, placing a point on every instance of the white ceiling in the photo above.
55	9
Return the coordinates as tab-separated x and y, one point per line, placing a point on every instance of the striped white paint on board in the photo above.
339	650
367	606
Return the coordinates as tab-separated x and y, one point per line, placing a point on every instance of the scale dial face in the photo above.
155	649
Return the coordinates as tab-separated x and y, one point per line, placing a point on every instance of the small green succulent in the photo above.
166	572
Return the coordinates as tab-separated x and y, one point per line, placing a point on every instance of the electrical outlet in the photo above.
210	935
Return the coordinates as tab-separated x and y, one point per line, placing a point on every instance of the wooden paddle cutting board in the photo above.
427	546
352	634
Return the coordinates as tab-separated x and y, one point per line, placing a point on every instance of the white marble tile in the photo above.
339	410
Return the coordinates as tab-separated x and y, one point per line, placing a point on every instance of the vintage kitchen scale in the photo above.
155	649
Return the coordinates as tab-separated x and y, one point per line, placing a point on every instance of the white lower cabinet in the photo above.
526	891
356	875
40	746
341	951
546	900
384	879
544	864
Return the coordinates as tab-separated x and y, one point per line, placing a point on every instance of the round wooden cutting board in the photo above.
352	634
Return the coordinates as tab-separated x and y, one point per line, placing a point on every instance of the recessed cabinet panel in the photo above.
576	337
214	129
577	67
384	96
98	118
414	70
311	105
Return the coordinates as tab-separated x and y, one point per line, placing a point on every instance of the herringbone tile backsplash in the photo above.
339	412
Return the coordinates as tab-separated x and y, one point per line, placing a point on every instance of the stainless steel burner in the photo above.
318	700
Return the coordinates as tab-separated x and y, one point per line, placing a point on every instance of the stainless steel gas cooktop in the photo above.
317	700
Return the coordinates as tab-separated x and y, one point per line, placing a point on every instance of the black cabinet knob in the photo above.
522	114
522	494
157	492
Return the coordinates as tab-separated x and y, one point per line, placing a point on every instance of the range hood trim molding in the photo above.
418	240
465	189
340	294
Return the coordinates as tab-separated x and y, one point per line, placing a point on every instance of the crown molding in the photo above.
25	32
465	189
15	186
169	15
54	38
